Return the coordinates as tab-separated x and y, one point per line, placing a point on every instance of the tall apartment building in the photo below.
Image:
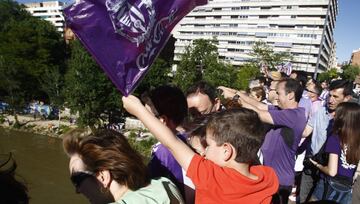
50	11
355	57
332	63
305	28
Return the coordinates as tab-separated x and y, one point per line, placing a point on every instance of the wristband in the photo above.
236	97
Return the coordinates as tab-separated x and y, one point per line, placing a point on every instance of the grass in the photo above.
29	127
143	146
2	119
63	129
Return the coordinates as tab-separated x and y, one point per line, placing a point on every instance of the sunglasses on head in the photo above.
311	91
78	177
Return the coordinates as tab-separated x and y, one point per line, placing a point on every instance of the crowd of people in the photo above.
284	137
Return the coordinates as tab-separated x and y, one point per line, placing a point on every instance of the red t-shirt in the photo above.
215	184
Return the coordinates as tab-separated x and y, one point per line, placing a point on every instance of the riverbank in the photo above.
52	128
55	128
140	139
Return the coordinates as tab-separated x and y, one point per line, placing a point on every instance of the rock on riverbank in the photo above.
54	128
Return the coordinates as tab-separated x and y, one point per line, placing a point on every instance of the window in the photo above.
314	36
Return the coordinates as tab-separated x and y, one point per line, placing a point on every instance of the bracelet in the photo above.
236	97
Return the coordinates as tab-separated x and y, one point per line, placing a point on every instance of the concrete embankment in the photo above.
53	128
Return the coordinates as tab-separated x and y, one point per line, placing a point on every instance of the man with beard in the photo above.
319	125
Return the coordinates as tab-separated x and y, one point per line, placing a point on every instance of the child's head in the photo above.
258	93
168	103
196	130
235	134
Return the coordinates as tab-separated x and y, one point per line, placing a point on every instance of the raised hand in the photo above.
133	105
227	92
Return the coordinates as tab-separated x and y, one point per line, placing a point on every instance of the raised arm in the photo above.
182	153
230	93
264	115
247	102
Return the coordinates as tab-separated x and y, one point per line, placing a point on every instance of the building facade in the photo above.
355	57
50	11
304	28
333	63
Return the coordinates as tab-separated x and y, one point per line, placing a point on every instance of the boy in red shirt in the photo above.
225	175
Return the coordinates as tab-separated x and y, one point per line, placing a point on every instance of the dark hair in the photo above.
312	80
283	75
342	84
301	77
108	150
11	190
317	88
292	85
261	79
170	102
204	88
197	128
230	103
259	91
346	125
241	128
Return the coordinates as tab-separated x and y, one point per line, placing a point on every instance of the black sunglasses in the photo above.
78	177
311	91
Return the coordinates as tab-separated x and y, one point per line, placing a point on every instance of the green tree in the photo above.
246	73
52	83
10	86
29	47
11	10
88	91
187	71
200	61
350	72
263	53
220	74
328	75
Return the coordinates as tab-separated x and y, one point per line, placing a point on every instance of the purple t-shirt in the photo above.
164	164
344	168
281	142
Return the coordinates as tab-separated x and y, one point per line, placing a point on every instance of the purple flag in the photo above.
125	36
285	68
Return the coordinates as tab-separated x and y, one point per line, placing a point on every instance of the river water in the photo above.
43	164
